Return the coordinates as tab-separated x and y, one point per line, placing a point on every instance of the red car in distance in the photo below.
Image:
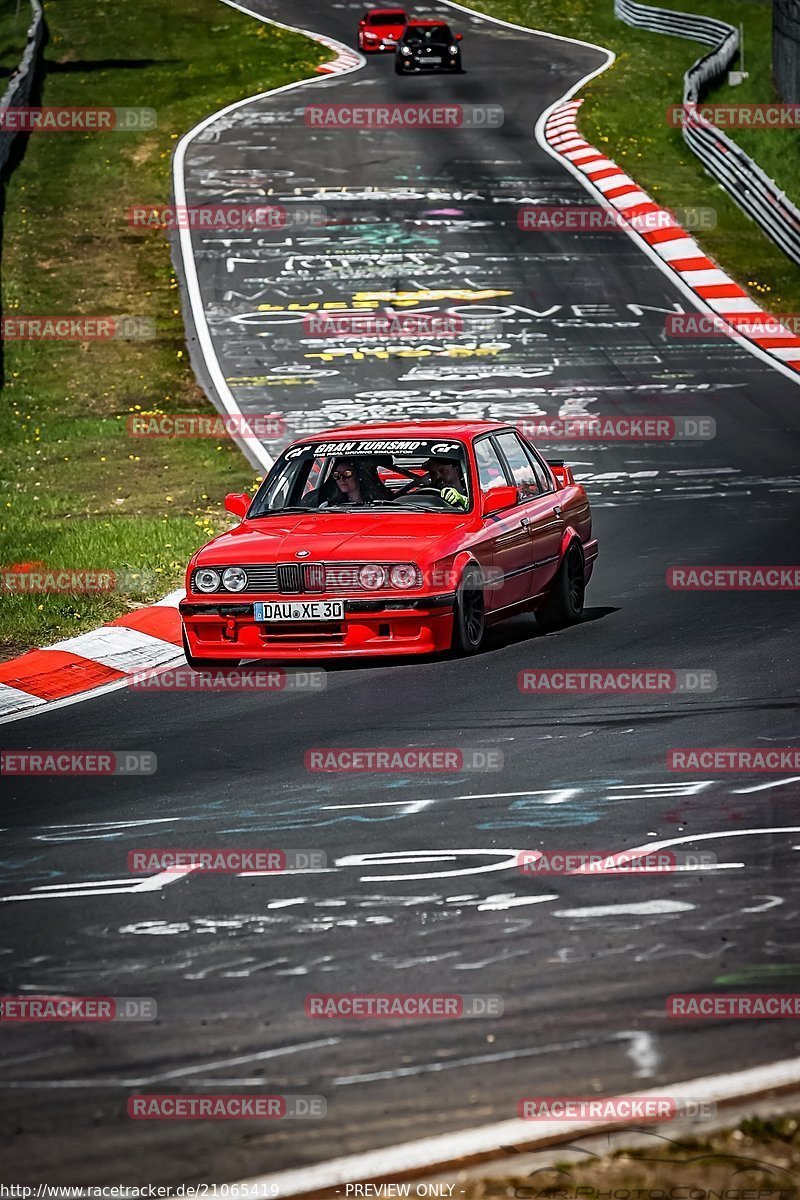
381	29
402	538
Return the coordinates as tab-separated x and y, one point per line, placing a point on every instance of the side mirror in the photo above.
237	503
459	37
499	498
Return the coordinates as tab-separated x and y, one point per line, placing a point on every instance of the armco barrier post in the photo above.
19	87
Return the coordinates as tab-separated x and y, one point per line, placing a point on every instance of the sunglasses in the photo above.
343	474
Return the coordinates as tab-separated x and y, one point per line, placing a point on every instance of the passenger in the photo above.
353	482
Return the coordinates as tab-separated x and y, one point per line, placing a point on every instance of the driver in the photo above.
445	474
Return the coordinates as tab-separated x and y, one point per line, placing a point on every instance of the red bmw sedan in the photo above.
403	538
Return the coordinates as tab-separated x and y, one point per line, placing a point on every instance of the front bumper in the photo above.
226	629
423	64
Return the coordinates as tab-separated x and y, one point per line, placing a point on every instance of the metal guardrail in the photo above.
750	187
19	86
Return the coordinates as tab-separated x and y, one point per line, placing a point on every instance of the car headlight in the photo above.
374	36
234	579
372	576
403	575
206	580
405	50
453	49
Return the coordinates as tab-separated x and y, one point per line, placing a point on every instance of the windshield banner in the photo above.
415	449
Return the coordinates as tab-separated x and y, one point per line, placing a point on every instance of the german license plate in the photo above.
433	60
299	610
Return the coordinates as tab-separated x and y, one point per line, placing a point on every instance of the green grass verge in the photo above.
625	114
76	491
759	1159
14	21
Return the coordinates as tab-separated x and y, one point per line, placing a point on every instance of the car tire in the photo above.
564	604
205	664
469	613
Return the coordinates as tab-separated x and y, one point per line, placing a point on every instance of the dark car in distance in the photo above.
428	46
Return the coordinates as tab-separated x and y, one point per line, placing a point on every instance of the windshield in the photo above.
421	475
432	33
387	18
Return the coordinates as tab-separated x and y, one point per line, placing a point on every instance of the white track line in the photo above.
254	451
556	37
608	864
452	1150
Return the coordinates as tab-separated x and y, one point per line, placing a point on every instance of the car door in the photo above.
506	535
538	507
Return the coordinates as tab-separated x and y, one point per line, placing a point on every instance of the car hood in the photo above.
336	536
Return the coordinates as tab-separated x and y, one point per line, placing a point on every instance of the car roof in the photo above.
407	429
415	22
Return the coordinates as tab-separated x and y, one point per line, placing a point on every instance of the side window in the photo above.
490	469
521	465
539	469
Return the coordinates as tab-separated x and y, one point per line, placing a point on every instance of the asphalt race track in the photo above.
421	892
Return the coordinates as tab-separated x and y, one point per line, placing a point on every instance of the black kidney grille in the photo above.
289	579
